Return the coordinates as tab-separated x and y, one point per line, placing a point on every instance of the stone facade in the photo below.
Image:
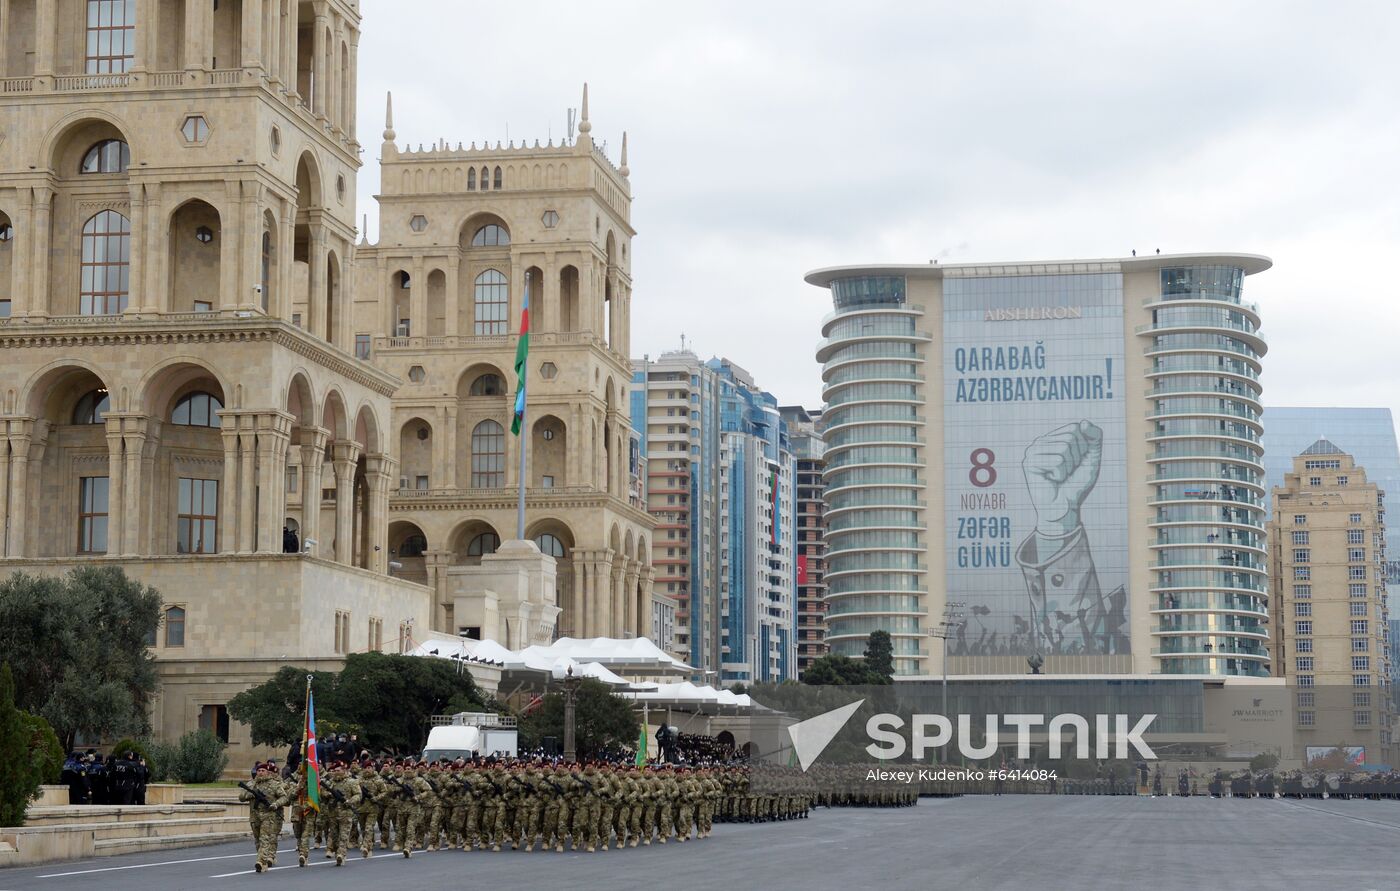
198	355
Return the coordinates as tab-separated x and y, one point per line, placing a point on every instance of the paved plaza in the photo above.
979	843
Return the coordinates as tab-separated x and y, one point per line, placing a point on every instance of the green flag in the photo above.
642	746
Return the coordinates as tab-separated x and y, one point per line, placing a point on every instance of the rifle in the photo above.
559	790
587	784
402	788
262	799
335	793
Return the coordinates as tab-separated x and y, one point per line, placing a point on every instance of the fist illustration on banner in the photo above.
1061	468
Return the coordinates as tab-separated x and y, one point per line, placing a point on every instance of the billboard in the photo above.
1335	757
1035	477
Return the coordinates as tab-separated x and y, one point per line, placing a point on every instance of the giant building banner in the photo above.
1035	476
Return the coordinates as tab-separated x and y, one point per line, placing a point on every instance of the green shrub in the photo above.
161	759
127	744
45	753
200	757
19	778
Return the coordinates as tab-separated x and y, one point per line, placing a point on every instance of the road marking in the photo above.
1322	810
348	860
83	872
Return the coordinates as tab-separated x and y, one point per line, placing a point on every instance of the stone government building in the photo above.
198	348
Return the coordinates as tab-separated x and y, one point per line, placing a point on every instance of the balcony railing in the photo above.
435	341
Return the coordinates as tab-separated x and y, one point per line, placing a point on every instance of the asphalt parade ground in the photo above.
978	843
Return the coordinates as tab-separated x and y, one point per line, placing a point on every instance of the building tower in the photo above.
804	431
177	184
676	408
464	232
1081	517
1331	617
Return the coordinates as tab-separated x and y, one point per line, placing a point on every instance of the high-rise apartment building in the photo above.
717	456
804	432
757	516
675	407
1070	449
1331	624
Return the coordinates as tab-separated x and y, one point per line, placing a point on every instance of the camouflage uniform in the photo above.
372	794
434	808
424	800
342	796
265	815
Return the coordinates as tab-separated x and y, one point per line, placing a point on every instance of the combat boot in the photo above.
258	867
339	859
301	860
365	852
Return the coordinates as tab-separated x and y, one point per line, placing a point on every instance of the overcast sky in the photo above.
767	139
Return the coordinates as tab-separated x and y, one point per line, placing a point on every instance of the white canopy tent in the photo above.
525	668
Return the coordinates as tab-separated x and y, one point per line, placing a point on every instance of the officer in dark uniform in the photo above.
122	767
101	781
75	777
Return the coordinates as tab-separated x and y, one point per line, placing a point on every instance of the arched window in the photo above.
413	546
488	385
491	235
488	456
496	180
197	410
492	302
266	268
92	408
485	543
550	545
108	156
111	36
485	177
106	264
471	179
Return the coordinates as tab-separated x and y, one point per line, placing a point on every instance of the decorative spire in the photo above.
583	125
623	169
364	232
389	134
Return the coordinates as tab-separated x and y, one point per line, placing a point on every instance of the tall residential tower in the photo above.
1071	449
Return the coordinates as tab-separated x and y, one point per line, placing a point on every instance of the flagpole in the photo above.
524	432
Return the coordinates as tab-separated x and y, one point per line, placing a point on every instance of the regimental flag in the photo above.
522	353
310	758
642	746
535	702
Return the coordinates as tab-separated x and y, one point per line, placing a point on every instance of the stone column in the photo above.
347	456
436	563
290	36
247	483
286	239
116	492
21	273
196	55
350	121
644	602
615	608
252	33
602	598
575	611
274	430
40	304
249	246
136	519
418	299
272	40
4	493
46	35
449	479
145	35
230	248
627	617
313	455
139	247
379	474
20	433
228	486
320	76
153	284
452	300
316	295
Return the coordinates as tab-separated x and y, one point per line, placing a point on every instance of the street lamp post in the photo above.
952	621
570	683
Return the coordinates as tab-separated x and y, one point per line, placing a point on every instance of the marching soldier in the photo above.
266	796
373	791
342	797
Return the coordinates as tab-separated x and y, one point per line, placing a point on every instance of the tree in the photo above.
1263	761
19	776
602	721
879	655
837	670
386	699
78	647
199	757
44	750
275	710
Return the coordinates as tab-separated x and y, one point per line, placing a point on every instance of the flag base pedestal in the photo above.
510	597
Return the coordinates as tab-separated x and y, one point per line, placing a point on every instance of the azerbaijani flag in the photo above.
310	759
522	351
642	746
